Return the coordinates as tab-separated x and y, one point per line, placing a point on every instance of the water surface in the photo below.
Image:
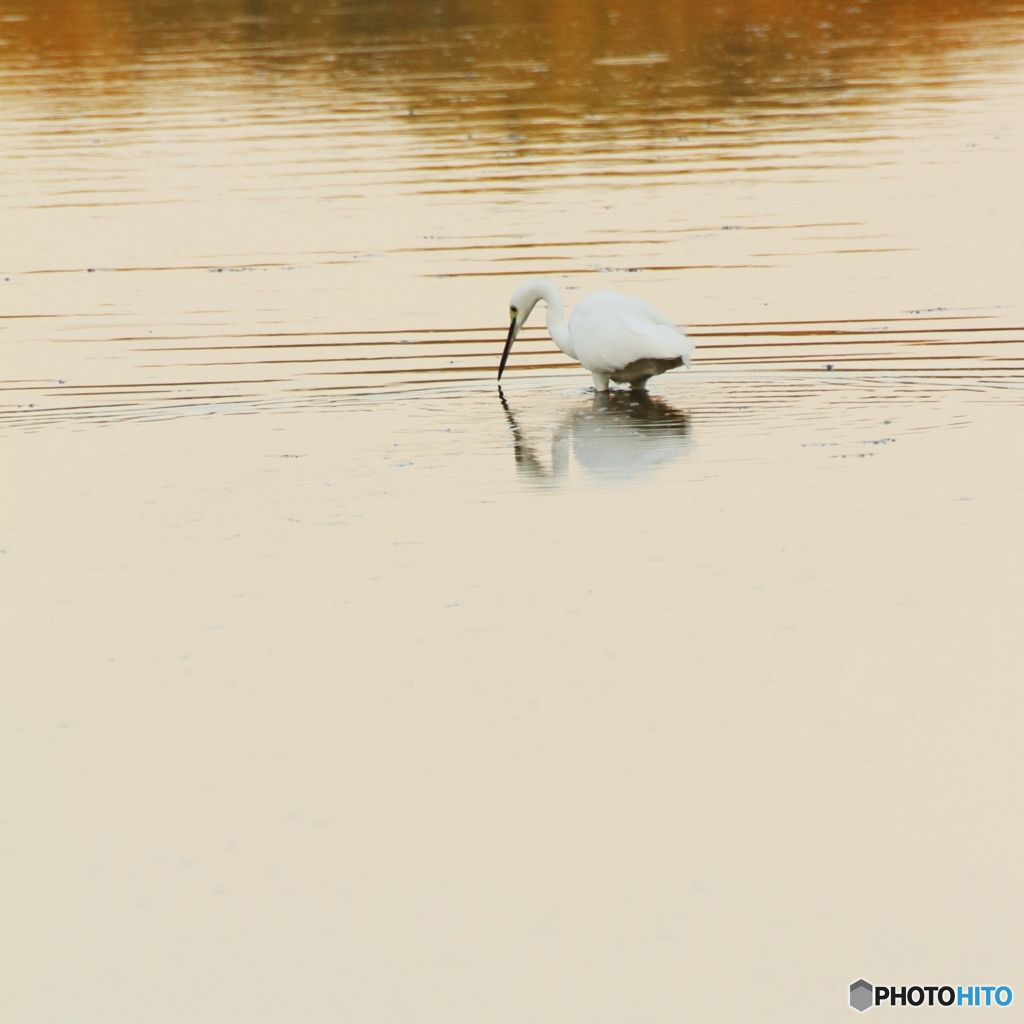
339	684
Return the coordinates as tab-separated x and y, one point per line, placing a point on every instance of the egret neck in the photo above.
523	300
555	315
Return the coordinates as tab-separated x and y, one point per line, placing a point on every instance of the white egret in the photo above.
615	337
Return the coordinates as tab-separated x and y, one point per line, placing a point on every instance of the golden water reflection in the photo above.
609	64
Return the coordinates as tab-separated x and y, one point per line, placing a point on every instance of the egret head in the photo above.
520	306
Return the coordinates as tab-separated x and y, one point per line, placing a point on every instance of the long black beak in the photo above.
508	348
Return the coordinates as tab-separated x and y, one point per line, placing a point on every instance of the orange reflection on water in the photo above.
569	54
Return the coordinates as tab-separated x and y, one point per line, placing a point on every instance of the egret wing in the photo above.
610	330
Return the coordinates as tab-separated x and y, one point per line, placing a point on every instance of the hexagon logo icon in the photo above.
861	995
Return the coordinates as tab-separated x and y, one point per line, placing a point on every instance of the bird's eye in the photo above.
513	312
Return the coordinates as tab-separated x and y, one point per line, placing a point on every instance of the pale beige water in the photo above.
337	686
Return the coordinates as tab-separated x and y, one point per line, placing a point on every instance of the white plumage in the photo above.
616	337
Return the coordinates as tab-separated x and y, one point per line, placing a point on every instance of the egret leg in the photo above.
600	381
641	384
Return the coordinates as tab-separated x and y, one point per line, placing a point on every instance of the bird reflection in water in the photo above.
614	434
